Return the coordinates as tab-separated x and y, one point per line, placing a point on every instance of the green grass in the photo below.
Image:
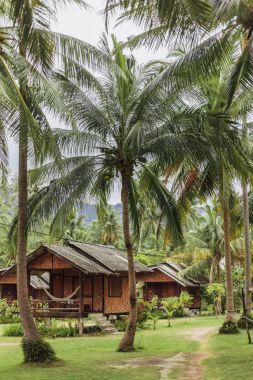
93	358
230	358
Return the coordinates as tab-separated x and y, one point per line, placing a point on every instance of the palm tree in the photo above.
219	171
28	48
120	137
109	225
213	30
203	248
206	27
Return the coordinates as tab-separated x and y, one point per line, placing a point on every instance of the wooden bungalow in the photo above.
74	280
166	280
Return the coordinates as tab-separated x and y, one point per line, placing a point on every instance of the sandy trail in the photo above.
189	365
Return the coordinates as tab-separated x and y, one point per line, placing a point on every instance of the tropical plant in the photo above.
109	225
152	311
120	134
28	48
170	305
185	299
216	291
213	31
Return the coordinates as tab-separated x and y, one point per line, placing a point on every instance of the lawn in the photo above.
95	357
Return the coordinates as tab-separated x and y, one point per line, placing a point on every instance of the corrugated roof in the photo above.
90	258
108	256
173	271
40	281
72	255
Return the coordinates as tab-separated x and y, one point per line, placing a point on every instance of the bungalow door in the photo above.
98	294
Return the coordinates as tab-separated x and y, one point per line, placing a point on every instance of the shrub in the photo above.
13	330
229	327
153	312
142	315
8	313
121	324
53	331
170	305
241	323
37	351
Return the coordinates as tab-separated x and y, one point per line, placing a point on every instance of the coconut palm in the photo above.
219	172
109	225
119	137
28	49
207	27
212	30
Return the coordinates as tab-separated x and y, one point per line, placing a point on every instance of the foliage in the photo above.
37	351
52	331
14	329
8	313
121	324
185	299
152	311
216	291
229	327
170	305
241	322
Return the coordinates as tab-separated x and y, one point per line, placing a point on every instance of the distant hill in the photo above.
90	212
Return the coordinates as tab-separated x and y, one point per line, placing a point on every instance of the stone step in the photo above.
105	325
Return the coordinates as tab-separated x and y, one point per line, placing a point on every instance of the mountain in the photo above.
90	211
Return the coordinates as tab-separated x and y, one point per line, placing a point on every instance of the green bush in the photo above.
53	331
229	327
37	351
13	330
8	313
241	323
121	324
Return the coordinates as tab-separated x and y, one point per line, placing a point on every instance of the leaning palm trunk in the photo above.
22	277
247	248
127	342
228	266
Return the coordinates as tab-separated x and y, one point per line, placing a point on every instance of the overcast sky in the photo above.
88	25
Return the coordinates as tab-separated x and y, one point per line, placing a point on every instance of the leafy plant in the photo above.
216	291
152	311
170	305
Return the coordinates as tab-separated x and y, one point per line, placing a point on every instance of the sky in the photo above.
88	25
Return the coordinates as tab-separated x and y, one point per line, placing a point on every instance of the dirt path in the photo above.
184	366
8	344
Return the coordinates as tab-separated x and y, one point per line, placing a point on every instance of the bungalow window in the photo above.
115	286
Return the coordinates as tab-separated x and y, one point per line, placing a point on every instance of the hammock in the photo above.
65	299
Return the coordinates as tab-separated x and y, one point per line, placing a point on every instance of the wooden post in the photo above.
81	303
246	317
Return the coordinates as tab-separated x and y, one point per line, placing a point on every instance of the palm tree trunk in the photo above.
22	277
211	273
246	235
228	266
247	248
127	342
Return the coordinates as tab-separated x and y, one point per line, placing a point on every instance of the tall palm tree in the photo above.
120	136
28	48
227	162
213	30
